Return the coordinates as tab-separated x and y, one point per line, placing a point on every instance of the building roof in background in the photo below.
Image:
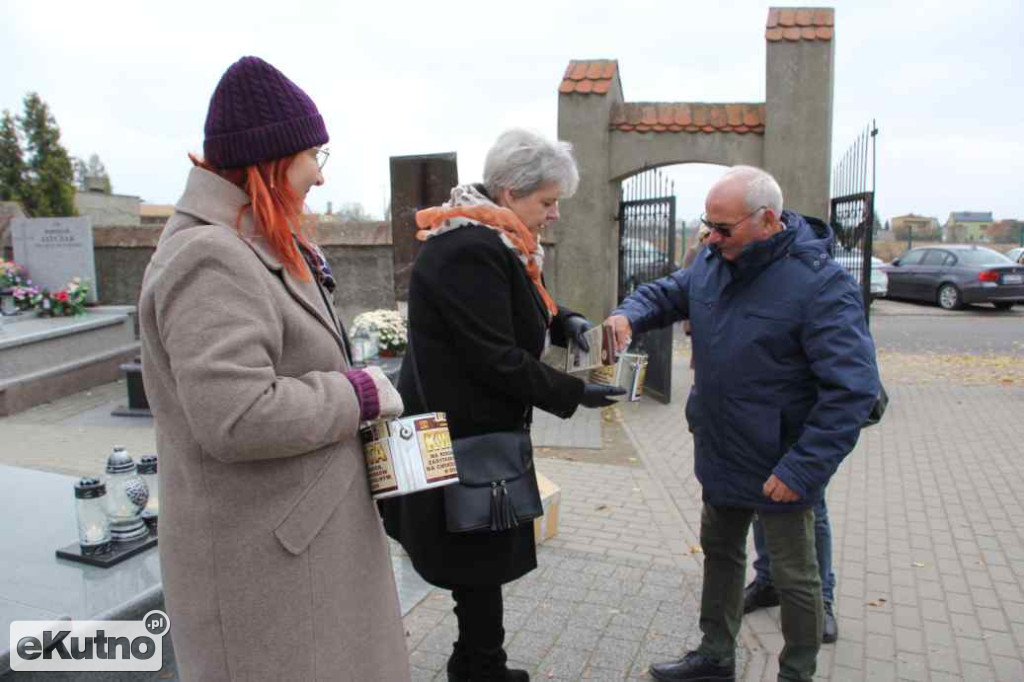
971	216
156	210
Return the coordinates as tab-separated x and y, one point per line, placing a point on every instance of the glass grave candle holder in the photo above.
91	510
147	469
126	498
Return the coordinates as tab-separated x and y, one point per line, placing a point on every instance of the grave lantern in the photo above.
8	306
126	497
90	508
148	472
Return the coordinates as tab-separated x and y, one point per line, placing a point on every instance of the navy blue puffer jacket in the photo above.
785	365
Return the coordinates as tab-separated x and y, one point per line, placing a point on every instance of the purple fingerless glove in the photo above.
366	392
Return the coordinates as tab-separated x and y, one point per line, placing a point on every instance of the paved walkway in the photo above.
928	523
929	550
927	515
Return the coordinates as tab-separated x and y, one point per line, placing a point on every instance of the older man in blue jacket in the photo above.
785	378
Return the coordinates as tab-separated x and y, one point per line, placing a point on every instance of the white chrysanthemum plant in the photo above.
389	326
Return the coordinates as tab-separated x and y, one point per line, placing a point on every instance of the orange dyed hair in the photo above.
276	207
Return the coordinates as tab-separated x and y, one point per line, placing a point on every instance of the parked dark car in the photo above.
642	261
955	275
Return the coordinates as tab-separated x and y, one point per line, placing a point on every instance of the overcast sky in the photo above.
131	81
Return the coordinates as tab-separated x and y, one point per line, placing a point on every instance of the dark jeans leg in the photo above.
762	562
823	548
723	537
790	537
480	612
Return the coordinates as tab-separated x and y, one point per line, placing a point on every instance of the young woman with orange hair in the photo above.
273	559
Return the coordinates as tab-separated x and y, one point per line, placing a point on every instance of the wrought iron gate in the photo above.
852	211
647	246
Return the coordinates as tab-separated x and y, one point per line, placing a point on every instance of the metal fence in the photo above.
852	210
647	246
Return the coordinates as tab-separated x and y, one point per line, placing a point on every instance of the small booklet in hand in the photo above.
576	360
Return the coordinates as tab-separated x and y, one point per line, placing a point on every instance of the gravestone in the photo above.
416	182
55	250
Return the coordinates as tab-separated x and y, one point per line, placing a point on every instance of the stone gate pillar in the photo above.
587	232
798	134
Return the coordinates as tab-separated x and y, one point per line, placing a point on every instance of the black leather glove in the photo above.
599	395
575	327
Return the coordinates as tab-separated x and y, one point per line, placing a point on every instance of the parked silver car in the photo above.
954	275
852	260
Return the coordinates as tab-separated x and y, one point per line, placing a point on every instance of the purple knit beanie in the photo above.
257	114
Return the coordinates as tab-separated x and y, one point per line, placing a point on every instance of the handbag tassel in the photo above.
503	514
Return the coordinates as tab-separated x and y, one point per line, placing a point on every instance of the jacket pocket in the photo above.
754	434
315	505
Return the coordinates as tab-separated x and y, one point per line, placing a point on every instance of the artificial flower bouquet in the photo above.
389	326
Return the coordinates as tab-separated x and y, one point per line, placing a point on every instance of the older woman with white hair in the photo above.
479	319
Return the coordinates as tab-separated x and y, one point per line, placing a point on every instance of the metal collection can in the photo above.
628	372
408	454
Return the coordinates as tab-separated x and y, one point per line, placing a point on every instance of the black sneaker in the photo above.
758	595
830	633
693	667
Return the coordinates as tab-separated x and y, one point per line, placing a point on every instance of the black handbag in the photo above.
878	409
497	488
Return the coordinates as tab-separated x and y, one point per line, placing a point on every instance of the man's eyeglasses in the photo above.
321	157
724	230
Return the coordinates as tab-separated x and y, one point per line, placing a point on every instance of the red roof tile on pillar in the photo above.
734	114
666	113
683	116
687	117
800	23
588	76
700	115
751	116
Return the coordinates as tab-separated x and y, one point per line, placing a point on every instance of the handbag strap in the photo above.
411	354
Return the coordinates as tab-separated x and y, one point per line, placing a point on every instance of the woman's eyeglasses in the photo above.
321	157
724	230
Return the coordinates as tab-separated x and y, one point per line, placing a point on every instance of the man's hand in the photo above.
778	491
622	331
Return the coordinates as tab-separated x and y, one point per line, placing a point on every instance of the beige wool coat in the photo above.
275	566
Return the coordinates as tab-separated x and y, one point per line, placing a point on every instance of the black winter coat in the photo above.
477	327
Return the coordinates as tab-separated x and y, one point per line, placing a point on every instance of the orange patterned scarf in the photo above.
503	220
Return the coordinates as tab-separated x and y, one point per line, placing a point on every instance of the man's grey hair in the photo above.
762	188
522	162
